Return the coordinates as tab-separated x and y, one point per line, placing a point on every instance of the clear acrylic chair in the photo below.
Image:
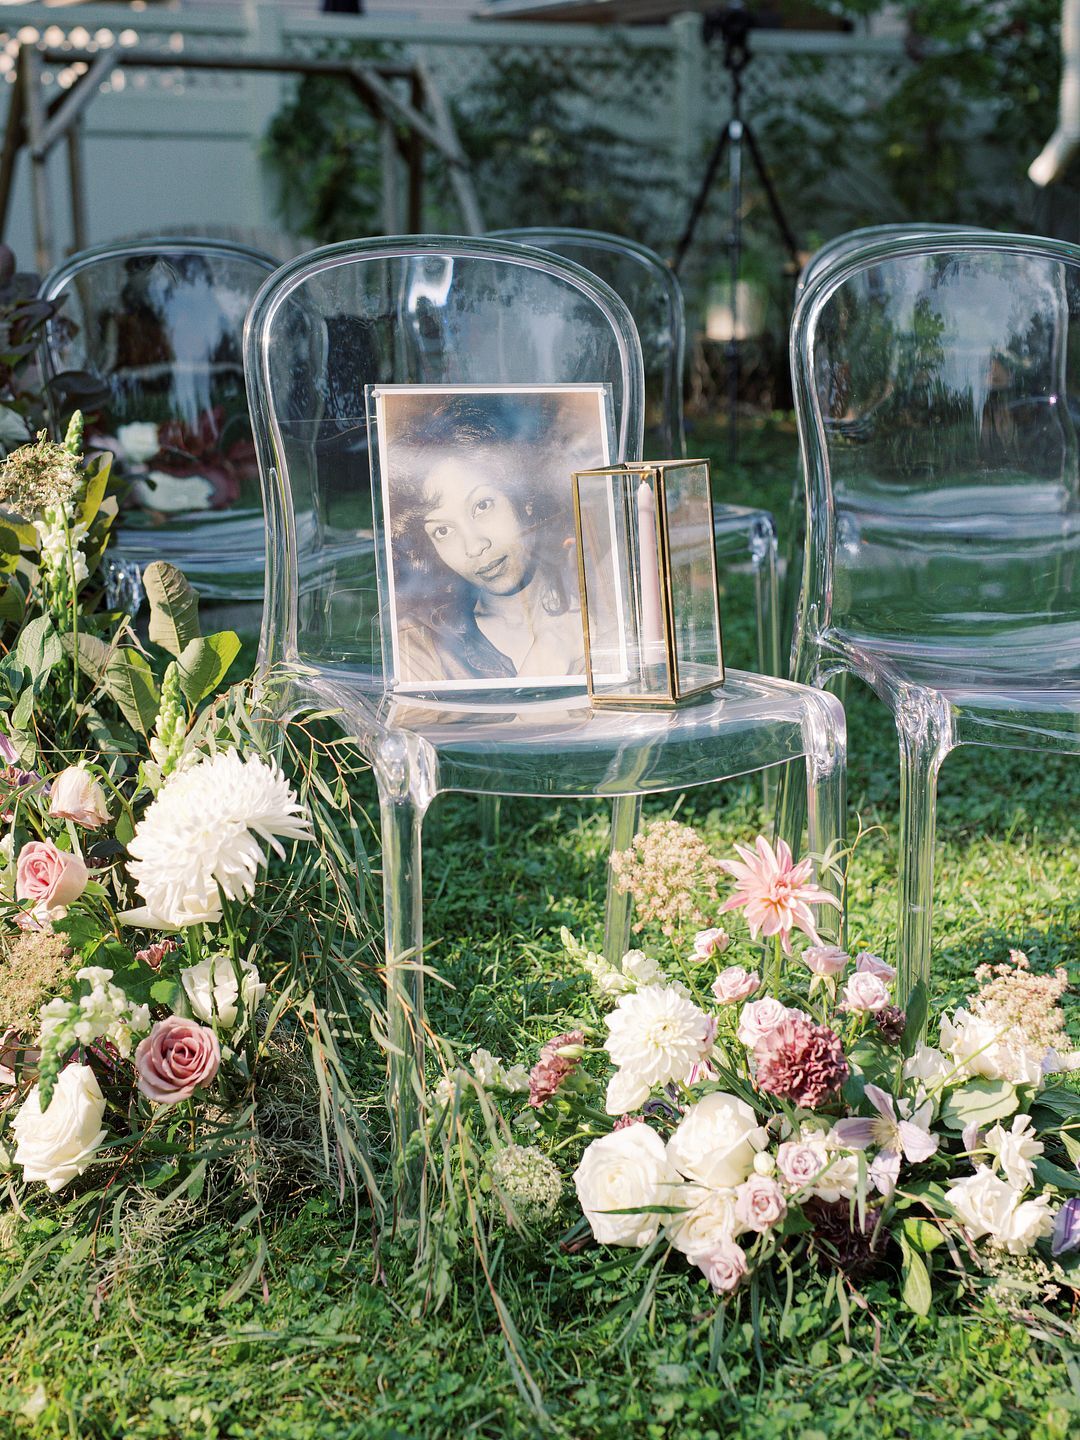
936	388
148	343
441	310
834	252
651	290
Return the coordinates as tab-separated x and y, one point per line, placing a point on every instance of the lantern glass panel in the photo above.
623	593
695	615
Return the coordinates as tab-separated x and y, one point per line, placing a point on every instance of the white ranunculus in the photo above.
138	441
213	992
625	1170
659	1034
1015	1149
983	1203
708	1220
56	1146
930	1066
716	1141
1028	1222
642	969
626	1091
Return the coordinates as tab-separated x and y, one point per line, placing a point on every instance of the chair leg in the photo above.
401	824
490	816
625	819
920	761
763	556
826	784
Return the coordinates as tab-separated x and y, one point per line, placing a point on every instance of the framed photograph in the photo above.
475	531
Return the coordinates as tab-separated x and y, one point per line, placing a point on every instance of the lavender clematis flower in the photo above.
1066	1236
896	1135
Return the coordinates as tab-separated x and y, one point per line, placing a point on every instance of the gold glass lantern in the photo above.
647	566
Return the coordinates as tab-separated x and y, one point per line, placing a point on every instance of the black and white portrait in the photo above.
480	564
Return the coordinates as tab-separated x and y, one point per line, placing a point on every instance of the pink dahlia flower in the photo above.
776	893
800	1061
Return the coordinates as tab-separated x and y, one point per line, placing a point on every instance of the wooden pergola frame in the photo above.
407	126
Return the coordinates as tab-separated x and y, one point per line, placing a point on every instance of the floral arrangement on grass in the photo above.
156	989
739	1115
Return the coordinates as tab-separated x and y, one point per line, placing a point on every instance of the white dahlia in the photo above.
658	1035
204	838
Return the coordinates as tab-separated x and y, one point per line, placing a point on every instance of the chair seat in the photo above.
566	747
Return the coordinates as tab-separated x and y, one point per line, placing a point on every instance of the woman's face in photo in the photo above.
475	529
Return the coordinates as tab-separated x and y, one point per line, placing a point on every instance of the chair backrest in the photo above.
850	241
414	310
149	343
653	295
936	384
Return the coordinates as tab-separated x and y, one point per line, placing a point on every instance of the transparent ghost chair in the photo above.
148	342
834	252
651	291
462	312
936	387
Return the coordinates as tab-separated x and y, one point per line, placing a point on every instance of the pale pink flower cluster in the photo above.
1012	995
670	873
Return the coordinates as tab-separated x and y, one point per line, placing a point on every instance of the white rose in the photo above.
56	1146
1015	1149
626	1091
758	1018
625	1170
213	992
709	1220
716	1140
172	494
983	1202
138	441
982	1048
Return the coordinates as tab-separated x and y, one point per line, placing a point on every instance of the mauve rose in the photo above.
175	1059
734	984
761	1017
760	1203
50	876
867	964
865	991
799	1163
825	960
724	1267
77	796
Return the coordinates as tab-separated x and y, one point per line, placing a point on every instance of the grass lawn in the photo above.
120	1335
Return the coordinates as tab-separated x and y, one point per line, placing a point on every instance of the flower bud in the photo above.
77	796
764	1164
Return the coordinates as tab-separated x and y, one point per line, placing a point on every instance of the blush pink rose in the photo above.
865	992
51	877
724	1267
710	942
734	984
78	797
760	1203
175	1059
867	964
825	960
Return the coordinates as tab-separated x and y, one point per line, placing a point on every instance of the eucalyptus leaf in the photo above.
921	1235
1051	1174
982	1101
204	664
174	607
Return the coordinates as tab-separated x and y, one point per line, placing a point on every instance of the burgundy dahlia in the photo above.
800	1061
890	1020
839	1240
551	1069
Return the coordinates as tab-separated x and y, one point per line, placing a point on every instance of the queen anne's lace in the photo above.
200	839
